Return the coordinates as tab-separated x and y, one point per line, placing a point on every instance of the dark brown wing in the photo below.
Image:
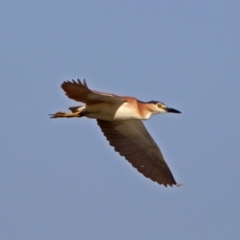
80	92
131	139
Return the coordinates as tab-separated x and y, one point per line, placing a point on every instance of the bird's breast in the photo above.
111	112
127	111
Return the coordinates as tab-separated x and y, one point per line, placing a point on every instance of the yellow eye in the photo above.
160	105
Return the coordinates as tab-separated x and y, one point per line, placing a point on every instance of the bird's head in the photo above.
159	107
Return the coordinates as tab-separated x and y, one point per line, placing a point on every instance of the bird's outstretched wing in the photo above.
80	92
131	139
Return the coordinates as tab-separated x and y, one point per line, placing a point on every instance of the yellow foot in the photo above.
64	115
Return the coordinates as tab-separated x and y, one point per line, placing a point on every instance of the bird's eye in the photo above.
160	105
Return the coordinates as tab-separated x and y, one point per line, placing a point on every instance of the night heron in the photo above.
119	118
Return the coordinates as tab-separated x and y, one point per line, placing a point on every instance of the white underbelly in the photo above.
110	112
125	112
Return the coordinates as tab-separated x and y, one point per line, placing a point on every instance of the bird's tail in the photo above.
75	112
76	109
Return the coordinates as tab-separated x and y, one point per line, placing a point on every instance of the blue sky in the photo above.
59	179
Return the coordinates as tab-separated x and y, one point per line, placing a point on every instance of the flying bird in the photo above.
119	118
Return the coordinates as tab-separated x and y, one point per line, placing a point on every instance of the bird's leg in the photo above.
65	115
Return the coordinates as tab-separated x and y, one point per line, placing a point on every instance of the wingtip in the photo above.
78	81
65	82
172	185
85	83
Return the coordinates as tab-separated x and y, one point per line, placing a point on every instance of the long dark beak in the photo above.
172	110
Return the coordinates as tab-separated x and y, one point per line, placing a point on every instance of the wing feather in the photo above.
131	139
80	92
